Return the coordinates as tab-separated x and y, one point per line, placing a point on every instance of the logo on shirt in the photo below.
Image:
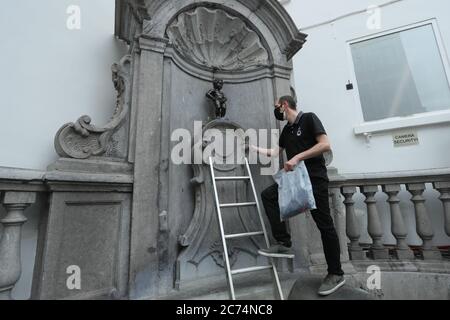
299	132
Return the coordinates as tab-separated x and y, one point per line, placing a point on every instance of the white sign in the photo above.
402	139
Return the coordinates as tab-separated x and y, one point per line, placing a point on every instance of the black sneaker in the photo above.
277	251
331	284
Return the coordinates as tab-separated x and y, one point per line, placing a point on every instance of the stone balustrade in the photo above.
346	186
107	185
18	189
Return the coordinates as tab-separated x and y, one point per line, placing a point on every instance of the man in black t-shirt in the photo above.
304	139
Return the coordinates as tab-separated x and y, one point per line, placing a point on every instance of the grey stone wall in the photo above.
118	209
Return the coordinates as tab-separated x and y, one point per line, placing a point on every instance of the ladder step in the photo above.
242	235
234	205
231	178
247	179
252	269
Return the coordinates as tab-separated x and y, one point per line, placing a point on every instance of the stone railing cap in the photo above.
7	173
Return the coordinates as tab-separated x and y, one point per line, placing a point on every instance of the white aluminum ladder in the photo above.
224	237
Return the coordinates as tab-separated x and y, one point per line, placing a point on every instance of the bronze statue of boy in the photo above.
218	97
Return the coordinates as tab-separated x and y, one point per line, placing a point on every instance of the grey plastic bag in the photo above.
295	193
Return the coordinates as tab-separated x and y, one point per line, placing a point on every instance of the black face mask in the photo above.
278	114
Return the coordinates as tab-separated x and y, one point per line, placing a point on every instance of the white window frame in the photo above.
394	123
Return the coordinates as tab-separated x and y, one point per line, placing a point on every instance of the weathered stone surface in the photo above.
268	16
161	87
202	252
374	226
216	39
444	189
25	198
424	226
82	140
419	280
402	250
11	236
89	231
168	94
145	248
23	175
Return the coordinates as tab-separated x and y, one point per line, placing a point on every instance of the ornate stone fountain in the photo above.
138	224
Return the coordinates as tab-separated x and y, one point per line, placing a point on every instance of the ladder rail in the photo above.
222	233
258	207
225	237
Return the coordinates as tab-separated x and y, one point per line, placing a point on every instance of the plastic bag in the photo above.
295	193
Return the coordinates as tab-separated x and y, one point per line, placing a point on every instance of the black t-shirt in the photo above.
302	136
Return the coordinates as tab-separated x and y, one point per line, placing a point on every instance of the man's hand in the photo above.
266	152
322	146
290	165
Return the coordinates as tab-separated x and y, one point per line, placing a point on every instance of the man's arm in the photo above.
323	145
268	152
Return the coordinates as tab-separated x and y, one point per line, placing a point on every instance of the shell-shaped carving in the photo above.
215	39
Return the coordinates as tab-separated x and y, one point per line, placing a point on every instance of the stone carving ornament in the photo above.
215	39
81	139
201	242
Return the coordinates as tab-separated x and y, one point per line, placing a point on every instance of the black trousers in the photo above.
321	216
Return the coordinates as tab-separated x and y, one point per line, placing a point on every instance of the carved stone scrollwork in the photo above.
139	10
213	38
202	255
81	139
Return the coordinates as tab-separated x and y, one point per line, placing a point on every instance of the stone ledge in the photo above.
396	177
420	266
394	285
58	176
92	165
26	175
257	286
66	170
20	180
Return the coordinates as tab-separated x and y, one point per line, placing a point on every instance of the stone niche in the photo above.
161	234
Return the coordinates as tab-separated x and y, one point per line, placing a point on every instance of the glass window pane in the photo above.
401	74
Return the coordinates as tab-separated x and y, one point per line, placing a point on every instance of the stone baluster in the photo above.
352	225
402	250
377	250
338	214
423	222
444	189
15	204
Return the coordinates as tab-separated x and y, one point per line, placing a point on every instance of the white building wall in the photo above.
324	67
52	75
307	13
55	75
